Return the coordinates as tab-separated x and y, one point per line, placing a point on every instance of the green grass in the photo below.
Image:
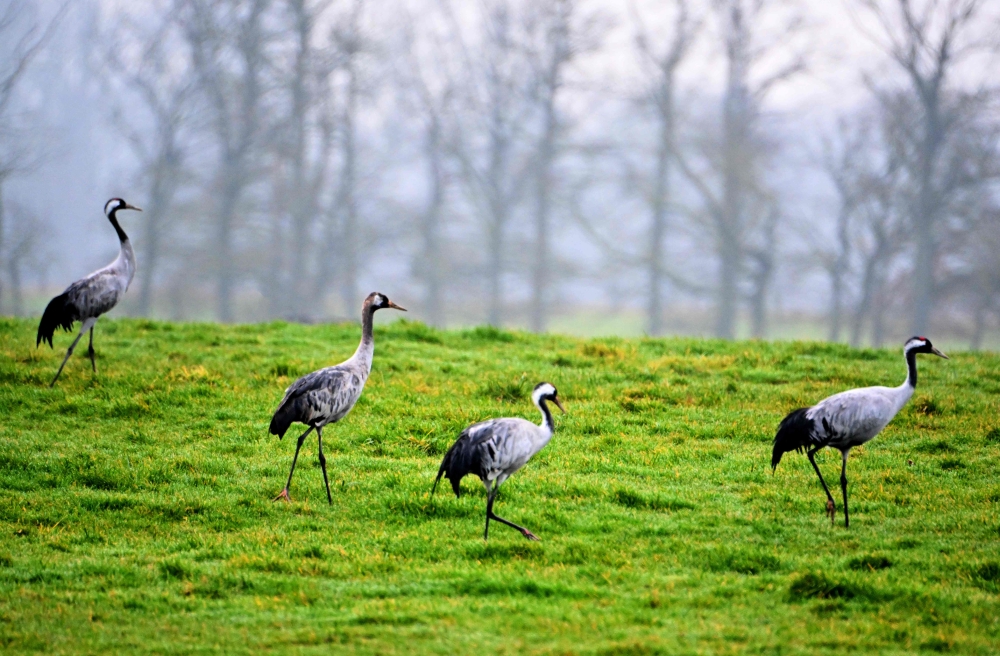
135	510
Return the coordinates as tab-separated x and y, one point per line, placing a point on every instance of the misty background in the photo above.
733	168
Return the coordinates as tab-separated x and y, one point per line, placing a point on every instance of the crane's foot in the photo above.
531	536
283	496
831	511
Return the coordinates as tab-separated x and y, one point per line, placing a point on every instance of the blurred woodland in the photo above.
720	167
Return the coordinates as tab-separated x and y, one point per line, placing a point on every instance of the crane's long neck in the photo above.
113	217
366	349
911	369
126	256
547	424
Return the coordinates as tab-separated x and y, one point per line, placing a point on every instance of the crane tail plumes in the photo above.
793	435
437	480
460	460
59	313
283	417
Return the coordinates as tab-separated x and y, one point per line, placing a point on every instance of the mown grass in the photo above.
135	510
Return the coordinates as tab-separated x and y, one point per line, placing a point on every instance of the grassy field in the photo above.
135	508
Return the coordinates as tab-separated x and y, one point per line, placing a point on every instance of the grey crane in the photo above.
327	395
496	448
90	297
848	419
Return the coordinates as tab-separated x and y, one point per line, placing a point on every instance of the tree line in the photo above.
501	155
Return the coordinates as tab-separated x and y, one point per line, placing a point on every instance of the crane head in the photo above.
116	204
547	392
922	345
379	301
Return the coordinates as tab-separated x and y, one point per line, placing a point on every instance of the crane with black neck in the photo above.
848	419
93	295
327	395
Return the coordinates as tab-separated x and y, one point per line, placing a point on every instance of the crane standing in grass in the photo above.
848	419
496	448
327	395
90	297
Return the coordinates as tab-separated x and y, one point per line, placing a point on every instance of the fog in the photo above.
730	168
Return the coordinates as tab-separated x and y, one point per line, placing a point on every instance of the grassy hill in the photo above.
135	508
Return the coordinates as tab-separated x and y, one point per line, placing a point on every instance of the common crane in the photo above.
327	395
90	297
846	420
496	448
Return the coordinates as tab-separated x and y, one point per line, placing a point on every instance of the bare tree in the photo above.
737	158
984	256
228	45
303	138
145	63
662	65
878	191
556	47
761	252
843	166
25	248
342	229
427	89
929	41
22	36
486	138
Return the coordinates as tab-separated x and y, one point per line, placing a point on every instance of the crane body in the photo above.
93	295
848	419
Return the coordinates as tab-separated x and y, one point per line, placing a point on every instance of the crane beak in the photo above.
396	307
555	399
939	353
132	207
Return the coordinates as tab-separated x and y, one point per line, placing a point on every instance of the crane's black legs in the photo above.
322	464
843	488
284	493
489	505
69	352
831	507
491	515
90	351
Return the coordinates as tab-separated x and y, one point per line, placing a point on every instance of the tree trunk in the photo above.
864	305
495	269
349	229
736	117
3	228
837	273
542	265
762	278
14	275
160	197
497	208
923	274
878	310
151	248
978	325
300	208
729	269
432	227
661	195
225	271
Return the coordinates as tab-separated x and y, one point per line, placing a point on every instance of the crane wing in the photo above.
855	416
487	449
96	294
326	395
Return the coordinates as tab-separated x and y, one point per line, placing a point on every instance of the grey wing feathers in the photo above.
321	397
96	294
855	415
88	297
482	448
